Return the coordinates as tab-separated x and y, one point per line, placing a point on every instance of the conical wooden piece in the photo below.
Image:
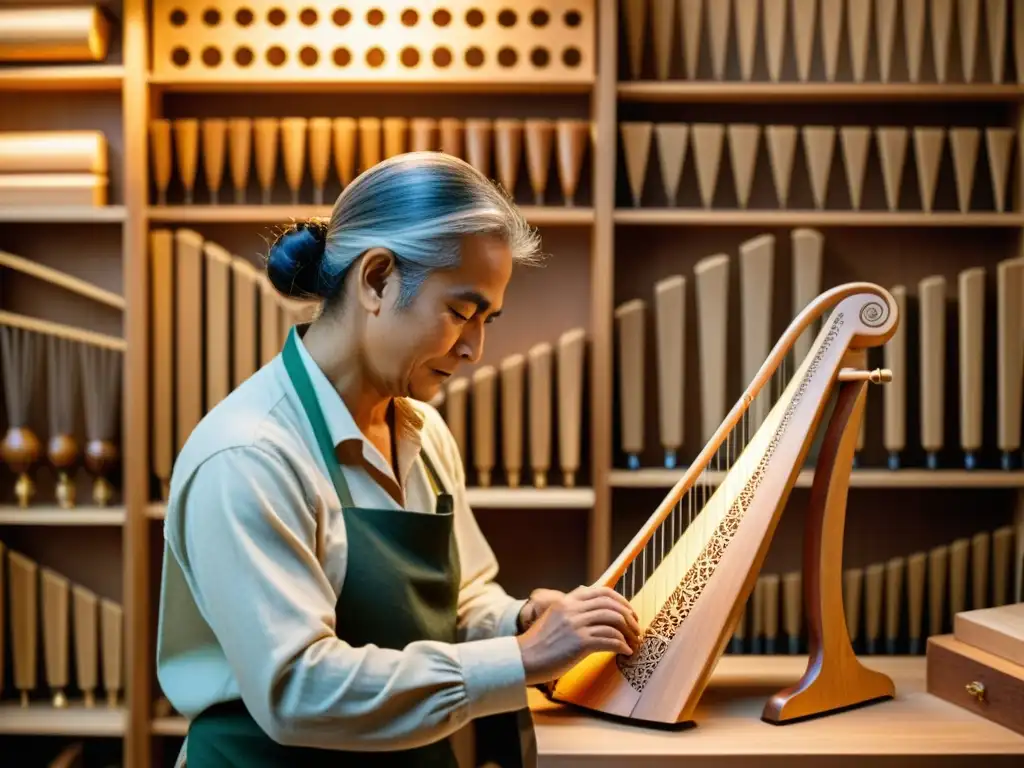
672	141
941	13
995	18
56	593
508	150
831	28
636	145
293	143
718	35
885	36
819	144
396	131
892	151
913	37
215	135
239	154
478	144
967	22
23	575
746	13
856	139
450	130
266	130
186	149
162	156
928	154
344	146
775	36
319	155
663	19
743	145
540	138
692	22
572	143
965	143
781	153
634	18
707	143
370	148
999	142
804	14
858	25
422	134
86	631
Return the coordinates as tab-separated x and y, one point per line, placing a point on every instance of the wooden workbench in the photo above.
914	729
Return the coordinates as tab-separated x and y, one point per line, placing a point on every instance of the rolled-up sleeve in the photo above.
246	541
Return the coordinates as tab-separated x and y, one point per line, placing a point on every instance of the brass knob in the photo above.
976	689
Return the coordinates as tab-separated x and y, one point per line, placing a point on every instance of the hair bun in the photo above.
295	258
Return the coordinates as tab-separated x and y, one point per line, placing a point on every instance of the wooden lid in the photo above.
999	631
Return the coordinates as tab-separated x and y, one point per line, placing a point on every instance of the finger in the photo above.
606	603
608	593
607	639
612	619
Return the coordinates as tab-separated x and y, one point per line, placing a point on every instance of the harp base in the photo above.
835	679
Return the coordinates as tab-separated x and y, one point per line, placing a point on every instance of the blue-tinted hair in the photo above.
418	205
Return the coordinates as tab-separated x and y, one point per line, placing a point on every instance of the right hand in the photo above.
586	620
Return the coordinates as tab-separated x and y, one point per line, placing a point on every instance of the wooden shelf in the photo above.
712	91
914	728
859	478
342	85
68	214
56	516
41	718
257	214
172	725
75	77
812	218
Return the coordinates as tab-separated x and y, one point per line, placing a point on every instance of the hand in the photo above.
540	600
586	620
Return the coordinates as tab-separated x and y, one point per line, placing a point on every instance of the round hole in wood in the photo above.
375	57
409	57
442	56
571	56
507	57
244	17
180	56
442	18
211	17
244	56
342	56
474	56
178	17
309	55
410	17
341	17
308	16
276	56
540	57
539	18
276	16
375	17
508	17
572	18
211	56
474	17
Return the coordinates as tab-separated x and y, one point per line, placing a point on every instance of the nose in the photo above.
470	346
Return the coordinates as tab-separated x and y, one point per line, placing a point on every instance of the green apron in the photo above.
401	585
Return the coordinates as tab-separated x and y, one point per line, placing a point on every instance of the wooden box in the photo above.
978	667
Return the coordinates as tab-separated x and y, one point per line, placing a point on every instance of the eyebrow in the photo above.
474	297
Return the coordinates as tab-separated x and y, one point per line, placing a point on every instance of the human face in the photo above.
418	348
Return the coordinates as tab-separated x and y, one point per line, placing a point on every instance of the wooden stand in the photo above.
835	679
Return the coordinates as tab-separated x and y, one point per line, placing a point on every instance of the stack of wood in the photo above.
48	168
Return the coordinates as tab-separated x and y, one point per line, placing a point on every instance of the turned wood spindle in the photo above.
101	381
540	137
240	155
214	136
20	449
62	391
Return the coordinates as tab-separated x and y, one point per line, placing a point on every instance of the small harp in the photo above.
690	570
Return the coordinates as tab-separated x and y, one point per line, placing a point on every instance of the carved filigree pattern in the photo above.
638	668
874	313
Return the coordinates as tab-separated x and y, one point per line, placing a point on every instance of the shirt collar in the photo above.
351	446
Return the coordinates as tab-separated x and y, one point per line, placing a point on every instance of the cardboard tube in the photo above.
512	376
54	152
571	349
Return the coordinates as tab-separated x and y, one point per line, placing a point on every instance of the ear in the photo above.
376	269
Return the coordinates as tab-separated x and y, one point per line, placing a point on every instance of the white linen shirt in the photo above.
255	558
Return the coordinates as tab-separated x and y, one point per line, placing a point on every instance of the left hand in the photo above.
540	600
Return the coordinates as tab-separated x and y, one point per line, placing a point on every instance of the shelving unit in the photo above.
606	251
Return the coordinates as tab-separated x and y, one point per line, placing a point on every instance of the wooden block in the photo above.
976	680
50	189
33	152
999	631
54	34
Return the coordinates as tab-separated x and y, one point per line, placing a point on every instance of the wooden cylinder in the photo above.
53	152
55	34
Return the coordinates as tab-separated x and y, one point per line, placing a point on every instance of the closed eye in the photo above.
463	318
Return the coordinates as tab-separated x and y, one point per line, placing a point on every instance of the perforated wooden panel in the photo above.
459	40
